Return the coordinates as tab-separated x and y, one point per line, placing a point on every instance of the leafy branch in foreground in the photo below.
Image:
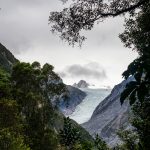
137	37
82	15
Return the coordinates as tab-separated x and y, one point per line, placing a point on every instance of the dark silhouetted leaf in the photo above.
132	97
129	88
132	84
138	76
124	95
142	91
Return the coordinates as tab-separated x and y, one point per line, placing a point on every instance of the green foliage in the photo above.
86	145
130	91
31	93
11	137
71	138
36	65
129	139
100	144
141	121
9	116
138	89
70	135
5	85
30	116
11	141
137	36
27	118
47	68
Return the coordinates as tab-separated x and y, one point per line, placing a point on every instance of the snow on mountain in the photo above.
81	84
84	110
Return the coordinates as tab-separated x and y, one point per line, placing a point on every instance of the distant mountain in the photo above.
64	97
81	84
109	116
71	95
7	59
73	98
58	89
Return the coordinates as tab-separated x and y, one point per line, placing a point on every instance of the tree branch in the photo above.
119	12
83	13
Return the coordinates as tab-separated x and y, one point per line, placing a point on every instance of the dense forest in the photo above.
28	121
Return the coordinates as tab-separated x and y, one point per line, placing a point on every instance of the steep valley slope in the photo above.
110	116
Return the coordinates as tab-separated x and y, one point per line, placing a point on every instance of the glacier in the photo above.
85	109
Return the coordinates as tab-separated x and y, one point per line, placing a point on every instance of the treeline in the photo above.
28	120
27	115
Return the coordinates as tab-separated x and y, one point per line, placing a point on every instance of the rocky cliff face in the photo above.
73	98
109	116
7	59
81	84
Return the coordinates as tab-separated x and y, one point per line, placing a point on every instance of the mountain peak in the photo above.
81	84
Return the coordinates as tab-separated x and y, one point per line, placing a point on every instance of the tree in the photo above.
129	139
5	85
27	117
30	90
137	36
141	121
11	137
100	144
82	15
10	141
70	135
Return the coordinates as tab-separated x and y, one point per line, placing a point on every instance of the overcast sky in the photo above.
24	30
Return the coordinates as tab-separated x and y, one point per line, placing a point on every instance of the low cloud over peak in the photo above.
91	70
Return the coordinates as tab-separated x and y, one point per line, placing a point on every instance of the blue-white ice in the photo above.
84	110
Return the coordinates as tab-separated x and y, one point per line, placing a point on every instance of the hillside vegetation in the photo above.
28	119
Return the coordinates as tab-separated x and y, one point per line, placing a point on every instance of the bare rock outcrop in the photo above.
110	116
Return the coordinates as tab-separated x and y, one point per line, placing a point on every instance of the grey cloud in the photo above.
24	30
24	23
91	70
105	34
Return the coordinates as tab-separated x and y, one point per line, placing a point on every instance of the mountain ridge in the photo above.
74	96
109	116
81	84
7	59
68	102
